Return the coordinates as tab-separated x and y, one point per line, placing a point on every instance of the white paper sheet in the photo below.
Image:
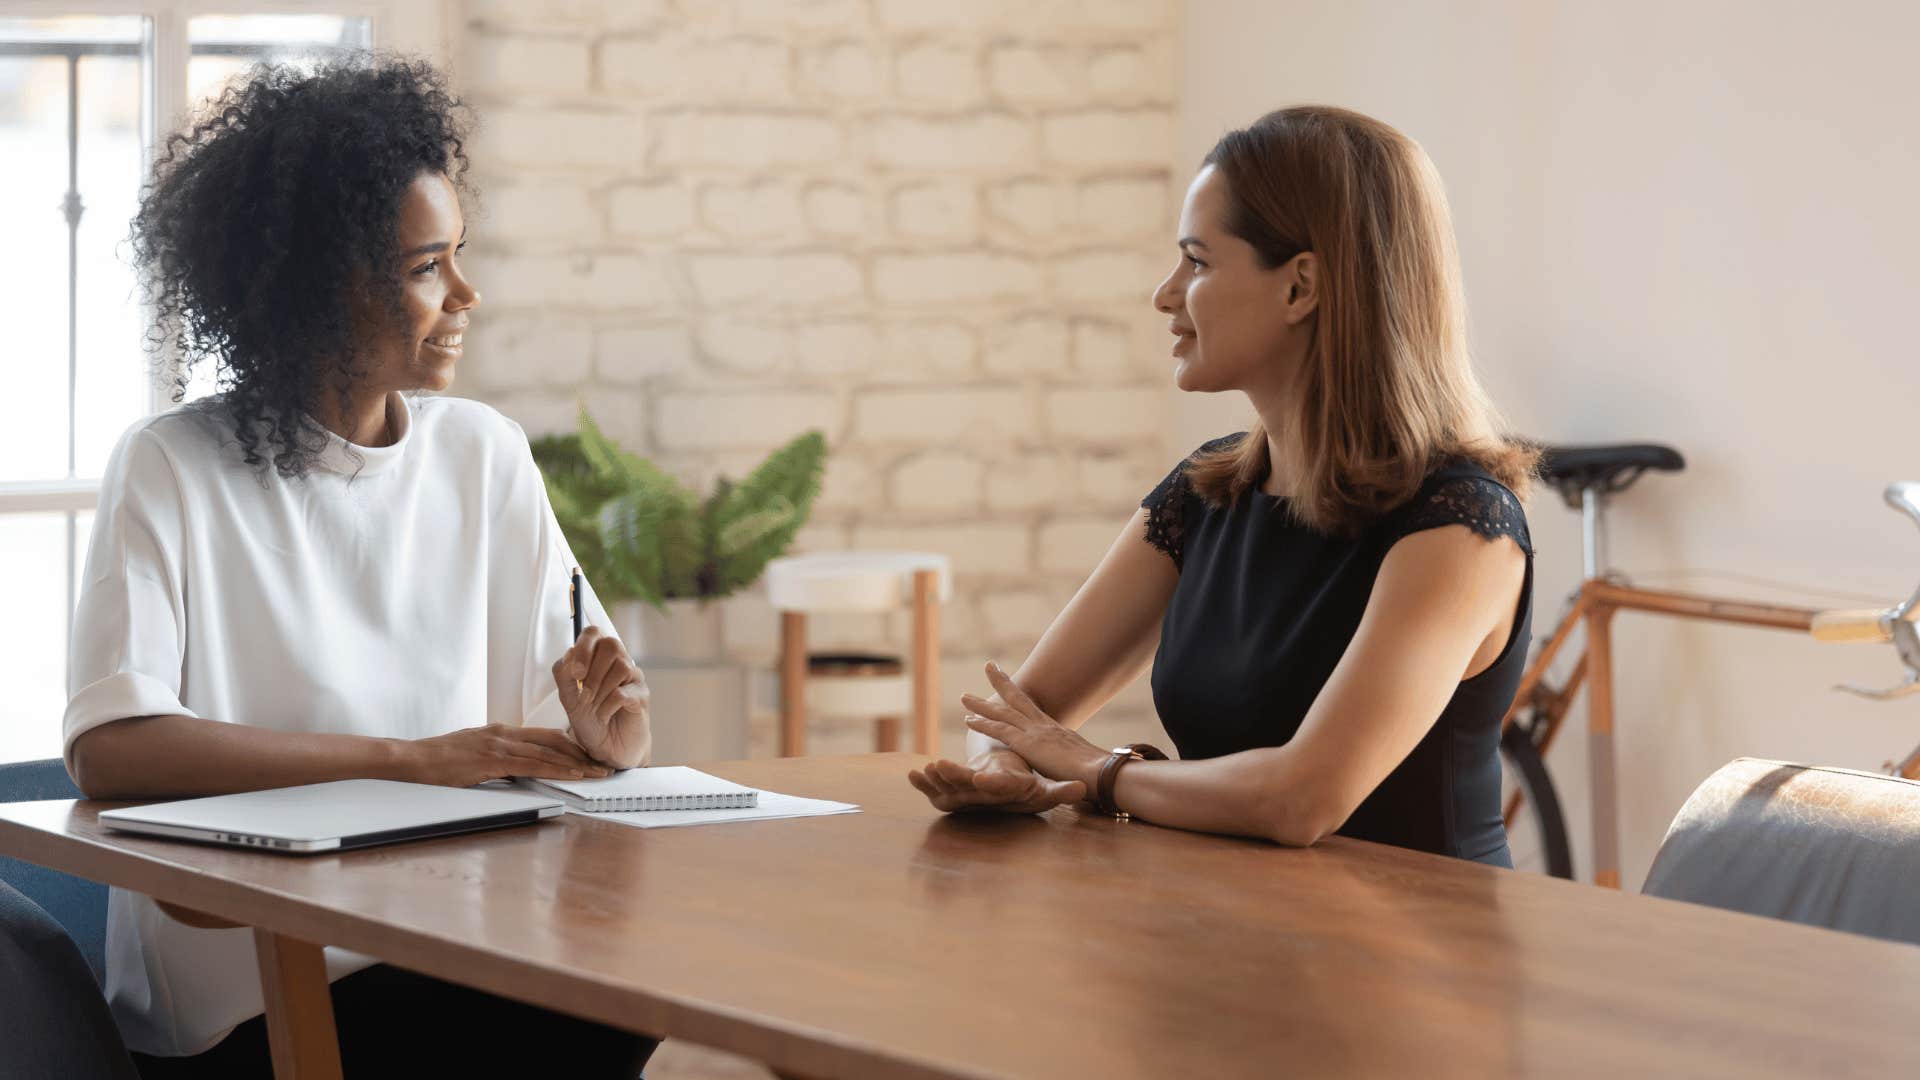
772	805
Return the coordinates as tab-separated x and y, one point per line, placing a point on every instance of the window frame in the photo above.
420	27
423	27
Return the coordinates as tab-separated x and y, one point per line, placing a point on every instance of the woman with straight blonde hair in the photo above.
1334	604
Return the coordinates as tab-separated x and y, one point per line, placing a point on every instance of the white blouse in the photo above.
401	591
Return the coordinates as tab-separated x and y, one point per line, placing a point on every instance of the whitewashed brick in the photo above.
548	15
629	354
1120	479
1100	347
1130	16
694	421
838	209
937	74
1020	616
561	139
974	15
696	68
849	484
538	413
800	14
1076	545
1131	75
937	212
747	140
1127	208
928	351
744	346
1036	208
985	549
614	282
1029	345
620	413
751	210
1107	417
797	280
540	212
519	352
936	481
1031	482
662	208
984	143
845	70
962	277
821	536
833	349
522	64
1117	277
1106	138
941	416
1037	75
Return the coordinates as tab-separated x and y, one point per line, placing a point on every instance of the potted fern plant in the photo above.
658	554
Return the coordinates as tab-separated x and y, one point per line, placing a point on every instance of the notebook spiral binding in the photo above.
730	800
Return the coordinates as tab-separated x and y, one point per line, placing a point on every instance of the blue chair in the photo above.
75	903
55	1023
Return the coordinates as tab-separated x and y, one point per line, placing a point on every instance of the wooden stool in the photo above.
860	684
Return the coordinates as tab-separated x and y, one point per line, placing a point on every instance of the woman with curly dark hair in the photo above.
318	574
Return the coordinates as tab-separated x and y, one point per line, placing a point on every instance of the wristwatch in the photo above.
1110	772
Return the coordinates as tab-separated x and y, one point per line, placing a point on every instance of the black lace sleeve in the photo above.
1166	507
1481	503
1170	503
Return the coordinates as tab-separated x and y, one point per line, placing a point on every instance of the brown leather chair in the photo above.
1824	846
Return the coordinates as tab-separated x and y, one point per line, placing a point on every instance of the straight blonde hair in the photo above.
1387	392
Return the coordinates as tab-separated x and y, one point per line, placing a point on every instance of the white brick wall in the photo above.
929	228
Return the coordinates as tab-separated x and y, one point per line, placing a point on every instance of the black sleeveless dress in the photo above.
1265	608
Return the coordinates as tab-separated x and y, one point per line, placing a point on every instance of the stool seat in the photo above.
860	683
844	581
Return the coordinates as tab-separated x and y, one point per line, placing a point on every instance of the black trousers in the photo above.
397	1023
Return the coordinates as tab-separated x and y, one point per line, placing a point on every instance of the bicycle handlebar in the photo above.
1851	626
1895	624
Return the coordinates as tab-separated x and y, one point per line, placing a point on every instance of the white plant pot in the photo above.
688	632
698	701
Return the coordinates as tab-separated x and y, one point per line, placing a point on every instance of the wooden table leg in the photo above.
293	979
926	662
793	683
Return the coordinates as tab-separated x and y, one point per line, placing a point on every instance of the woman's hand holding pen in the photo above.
605	696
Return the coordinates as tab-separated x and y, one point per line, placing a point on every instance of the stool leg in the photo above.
793	683
886	734
926	662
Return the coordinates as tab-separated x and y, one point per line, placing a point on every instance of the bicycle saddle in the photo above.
1611	468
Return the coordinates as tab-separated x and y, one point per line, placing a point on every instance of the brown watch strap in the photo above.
1110	773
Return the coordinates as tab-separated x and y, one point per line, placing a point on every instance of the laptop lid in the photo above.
334	816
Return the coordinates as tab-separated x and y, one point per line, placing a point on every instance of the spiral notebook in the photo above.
662	787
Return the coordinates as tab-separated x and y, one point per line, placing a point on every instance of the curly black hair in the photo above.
273	218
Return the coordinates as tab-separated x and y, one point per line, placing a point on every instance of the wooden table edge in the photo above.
788	1049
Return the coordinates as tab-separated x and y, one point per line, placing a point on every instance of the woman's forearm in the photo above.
172	756
1252	793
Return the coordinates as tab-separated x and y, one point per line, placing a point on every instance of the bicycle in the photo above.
1586	478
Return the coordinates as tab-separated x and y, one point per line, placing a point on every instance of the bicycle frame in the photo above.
1594	608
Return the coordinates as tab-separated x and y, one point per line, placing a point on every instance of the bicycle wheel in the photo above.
1538	836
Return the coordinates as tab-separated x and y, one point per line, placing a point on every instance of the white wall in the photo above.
1692	222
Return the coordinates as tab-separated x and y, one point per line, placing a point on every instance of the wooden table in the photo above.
900	943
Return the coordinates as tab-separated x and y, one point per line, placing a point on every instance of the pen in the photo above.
573	601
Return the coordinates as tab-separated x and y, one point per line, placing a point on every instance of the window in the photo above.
79	98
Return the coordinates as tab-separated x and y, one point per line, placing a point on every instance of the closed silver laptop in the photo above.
334	816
